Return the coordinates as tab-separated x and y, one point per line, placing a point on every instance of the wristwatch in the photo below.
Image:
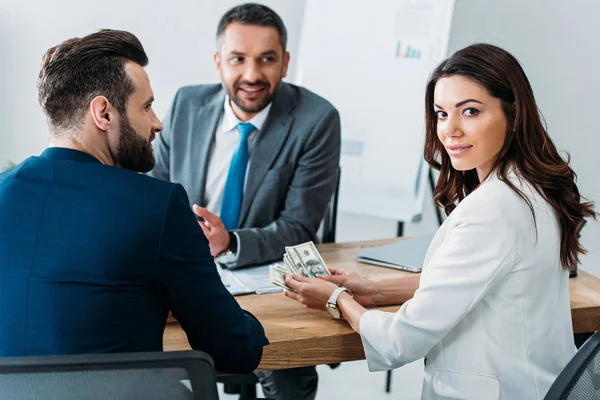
230	255
331	306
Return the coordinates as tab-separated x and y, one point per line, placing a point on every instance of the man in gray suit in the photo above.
259	158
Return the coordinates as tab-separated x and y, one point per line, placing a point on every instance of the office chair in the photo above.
580	379
242	384
327	230
118	376
245	384
328	226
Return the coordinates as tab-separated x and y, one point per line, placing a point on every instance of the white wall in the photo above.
558	47
178	36
6	107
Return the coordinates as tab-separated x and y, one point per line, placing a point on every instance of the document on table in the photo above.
253	279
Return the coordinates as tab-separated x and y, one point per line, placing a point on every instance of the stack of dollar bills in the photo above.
303	260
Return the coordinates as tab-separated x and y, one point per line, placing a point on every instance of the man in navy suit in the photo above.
93	255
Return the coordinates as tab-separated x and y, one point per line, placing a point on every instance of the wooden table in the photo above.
301	337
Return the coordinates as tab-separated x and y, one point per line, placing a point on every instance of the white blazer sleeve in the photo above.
479	249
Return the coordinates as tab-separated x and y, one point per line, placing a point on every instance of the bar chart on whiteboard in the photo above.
375	75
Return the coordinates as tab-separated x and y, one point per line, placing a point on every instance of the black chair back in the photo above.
327	230
580	379
119	376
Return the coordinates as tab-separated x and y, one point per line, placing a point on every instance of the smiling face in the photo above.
471	124
251	63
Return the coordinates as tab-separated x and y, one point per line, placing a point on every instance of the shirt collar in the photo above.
230	121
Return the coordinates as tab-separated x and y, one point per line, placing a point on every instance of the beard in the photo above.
134	151
252	107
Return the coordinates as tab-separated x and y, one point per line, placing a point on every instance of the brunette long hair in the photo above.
527	146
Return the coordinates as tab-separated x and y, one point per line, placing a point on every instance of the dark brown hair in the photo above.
252	14
527	146
79	69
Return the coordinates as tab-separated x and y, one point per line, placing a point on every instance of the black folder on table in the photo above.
407	255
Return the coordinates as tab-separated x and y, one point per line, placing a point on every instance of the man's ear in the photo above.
102	112
286	62
217	60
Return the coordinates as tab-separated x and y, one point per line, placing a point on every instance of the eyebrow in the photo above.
149	101
268	53
264	53
460	103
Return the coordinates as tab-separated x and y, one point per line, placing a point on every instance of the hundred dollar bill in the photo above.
311	260
277	275
289	265
296	262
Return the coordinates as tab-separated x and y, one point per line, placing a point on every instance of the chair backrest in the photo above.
580	379
326	233
131	376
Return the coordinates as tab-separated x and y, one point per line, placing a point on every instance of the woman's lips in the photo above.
458	150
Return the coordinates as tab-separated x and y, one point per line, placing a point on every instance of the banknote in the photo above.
303	260
294	263
289	265
277	275
310	259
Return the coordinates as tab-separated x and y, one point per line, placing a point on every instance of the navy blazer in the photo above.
93	257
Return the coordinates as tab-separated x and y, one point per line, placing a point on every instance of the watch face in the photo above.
333	311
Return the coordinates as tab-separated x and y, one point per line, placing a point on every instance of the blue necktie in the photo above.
234	186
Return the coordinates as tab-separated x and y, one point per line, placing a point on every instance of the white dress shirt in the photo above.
492	313
226	142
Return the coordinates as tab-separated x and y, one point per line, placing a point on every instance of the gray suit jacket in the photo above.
292	172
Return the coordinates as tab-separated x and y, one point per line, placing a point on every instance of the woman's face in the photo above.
470	124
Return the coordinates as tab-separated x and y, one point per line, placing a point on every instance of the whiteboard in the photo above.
371	60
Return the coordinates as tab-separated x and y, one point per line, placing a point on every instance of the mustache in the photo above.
261	84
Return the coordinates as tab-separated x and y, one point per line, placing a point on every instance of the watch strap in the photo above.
336	293
233	242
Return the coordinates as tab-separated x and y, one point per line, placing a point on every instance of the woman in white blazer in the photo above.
490	311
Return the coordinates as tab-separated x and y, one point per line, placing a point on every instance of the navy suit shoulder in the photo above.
69	225
93	257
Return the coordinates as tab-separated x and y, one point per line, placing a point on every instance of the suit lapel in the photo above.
268	144
205	126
